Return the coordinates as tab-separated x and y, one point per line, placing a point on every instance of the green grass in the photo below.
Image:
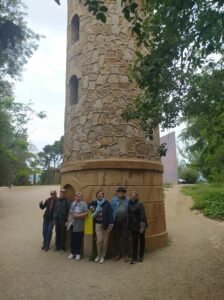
207	198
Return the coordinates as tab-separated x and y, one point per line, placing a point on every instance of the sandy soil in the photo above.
191	267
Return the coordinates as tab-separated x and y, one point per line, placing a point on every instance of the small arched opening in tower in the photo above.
75	29
74	89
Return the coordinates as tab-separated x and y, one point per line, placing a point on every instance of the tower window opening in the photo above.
75	29
74	88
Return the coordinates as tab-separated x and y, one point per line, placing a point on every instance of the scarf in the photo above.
98	208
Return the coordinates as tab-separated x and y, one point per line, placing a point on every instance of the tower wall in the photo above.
102	150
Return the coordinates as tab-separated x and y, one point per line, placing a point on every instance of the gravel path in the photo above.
191	267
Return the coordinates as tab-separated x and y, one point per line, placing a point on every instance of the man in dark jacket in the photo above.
103	220
48	223
60	218
137	224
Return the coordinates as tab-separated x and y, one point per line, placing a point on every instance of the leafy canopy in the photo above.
17	44
52	155
15	151
50	159
17	40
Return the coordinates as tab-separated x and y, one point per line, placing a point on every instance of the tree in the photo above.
50	159
17	44
177	40
187	173
14	146
204	134
17	40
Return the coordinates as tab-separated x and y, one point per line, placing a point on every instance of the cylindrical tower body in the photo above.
102	151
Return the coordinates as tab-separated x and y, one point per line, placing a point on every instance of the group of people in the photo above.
118	216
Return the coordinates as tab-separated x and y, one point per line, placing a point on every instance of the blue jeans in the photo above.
47	233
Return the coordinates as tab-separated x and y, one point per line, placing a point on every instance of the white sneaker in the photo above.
101	259
77	257
97	259
70	256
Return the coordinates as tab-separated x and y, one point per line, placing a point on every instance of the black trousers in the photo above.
135	237
121	236
76	242
60	231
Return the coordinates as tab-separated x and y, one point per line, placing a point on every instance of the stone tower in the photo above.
102	151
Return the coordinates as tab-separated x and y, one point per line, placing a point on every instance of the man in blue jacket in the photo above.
119	206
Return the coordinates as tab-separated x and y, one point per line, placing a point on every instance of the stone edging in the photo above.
136	164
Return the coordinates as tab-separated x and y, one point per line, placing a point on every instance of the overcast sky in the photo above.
44	76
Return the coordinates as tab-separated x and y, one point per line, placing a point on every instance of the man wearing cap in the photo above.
119	206
48	223
60	218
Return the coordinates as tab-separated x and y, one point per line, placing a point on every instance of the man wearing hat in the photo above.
60	218
119	206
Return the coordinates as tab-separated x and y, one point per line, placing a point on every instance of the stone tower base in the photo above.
142	176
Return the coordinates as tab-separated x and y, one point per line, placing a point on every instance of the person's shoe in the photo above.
101	260
140	259
97	259
126	258
117	257
43	247
71	256
77	257
133	261
46	248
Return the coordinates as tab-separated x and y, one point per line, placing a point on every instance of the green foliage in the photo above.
162	149
52	155
189	174
17	41
50	159
22	176
207	198
17	44
14	146
179	39
203	137
96	7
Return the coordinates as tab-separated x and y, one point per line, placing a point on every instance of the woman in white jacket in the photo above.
76	218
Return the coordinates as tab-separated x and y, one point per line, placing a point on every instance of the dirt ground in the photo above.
190	267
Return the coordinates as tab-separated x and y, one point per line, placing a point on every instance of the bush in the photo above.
207	198
189	175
